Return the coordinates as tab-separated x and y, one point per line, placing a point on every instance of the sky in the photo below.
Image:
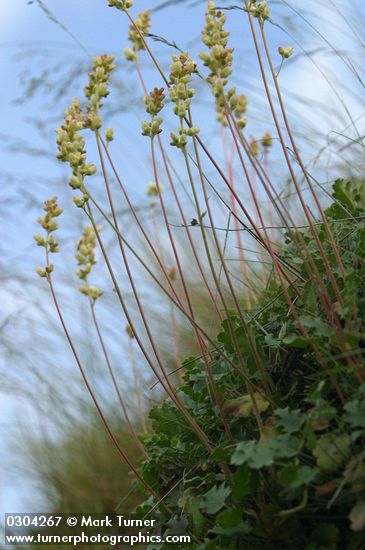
33	49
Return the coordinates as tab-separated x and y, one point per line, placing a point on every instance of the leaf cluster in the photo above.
299	479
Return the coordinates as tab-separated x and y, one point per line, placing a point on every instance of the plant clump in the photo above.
308	461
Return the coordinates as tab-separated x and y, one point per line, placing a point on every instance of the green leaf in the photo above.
346	195
230	523
165	418
222	453
214	499
271	341
177	525
295	341
294	476
284	446
332	451
289	420
244	344
355	413
190	505
316	325
254	454
243	481
321	416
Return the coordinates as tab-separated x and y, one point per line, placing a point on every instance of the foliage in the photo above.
300	480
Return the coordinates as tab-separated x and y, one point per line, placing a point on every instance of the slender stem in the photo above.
137	382
282	283
139	223
279	69
164	290
243	264
256	204
148	49
251	344
171	305
172	241
188	231
266	171
201	343
298	156
290	167
170	390
293	229
252	232
120	450
114	380
172	185
258	210
198	336
231	329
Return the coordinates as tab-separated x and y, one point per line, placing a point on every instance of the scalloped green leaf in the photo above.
332	451
214	499
289	420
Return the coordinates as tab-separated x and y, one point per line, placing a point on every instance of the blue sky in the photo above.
34	47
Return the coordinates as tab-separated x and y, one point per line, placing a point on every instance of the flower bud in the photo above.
109	135
120	4
75	182
154	189
41	272
255	147
286	52
242	123
267	140
155	126
88	169
49	224
91	291
53	245
80	201
172	273
146	128
129	54
39	239
95	121
129	331
141	27
154	101
193	131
